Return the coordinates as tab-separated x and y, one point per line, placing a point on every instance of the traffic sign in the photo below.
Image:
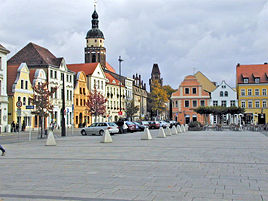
19	104
29	107
120	112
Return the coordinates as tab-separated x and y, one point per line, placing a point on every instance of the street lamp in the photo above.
120	61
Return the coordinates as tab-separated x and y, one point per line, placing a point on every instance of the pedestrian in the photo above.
17	127
3	150
13	126
23	126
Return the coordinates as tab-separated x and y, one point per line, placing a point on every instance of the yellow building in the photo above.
252	87
81	92
207	85
19	91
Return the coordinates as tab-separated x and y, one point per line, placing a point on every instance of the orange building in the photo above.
190	95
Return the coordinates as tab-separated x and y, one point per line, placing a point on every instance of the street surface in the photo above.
195	166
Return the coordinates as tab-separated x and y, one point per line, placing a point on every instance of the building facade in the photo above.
19	93
81	114
252	87
190	95
155	75
58	76
3	89
225	96
140	97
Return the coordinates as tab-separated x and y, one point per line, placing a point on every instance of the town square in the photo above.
109	100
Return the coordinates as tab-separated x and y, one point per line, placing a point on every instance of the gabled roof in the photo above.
207	85
3	49
32	74
35	55
87	68
110	68
12	75
251	72
112	80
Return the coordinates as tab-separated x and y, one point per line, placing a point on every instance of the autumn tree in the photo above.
41	101
96	103
131	109
169	90
157	98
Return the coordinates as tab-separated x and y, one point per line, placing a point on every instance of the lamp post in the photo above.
120	61
63	129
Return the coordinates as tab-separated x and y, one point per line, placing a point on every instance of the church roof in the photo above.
35	55
155	69
95	32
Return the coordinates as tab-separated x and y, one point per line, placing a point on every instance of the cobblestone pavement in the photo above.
196	166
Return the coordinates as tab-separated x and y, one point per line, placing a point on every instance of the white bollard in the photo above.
168	132
50	139
186	127
182	128
179	129
174	130
106	138
146	135
161	133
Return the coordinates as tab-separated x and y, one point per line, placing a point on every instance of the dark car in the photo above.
154	125
139	127
131	127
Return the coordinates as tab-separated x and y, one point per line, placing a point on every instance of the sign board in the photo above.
19	104
72	107
29	107
18	112
67	110
120	112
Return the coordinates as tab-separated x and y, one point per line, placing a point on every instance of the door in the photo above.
261	118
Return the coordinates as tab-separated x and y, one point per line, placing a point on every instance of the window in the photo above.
257	104
249	92
94	58
264	92
243	92
71	95
194	103
264	104
215	103
257	80
232	103
67	94
0	63
84	102
245	80
77	101
101	84
223	103
84	91
194	90
223	86
221	94
98	86
0	90
202	103
243	104
176	103
21	84
19	98
186	103
187	91
26	84
51	73
24	101
95	84
29	101
257	92
81	102
226	93
61	77
55	74
249	104
80	90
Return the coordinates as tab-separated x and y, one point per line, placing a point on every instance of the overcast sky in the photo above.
182	36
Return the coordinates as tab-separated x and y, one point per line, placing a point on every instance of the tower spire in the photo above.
95	4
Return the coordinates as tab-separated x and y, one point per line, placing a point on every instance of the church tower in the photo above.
155	75
95	52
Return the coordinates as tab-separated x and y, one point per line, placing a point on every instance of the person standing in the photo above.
17	127
13	126
3	150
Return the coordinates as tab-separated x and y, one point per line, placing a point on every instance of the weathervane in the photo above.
95	4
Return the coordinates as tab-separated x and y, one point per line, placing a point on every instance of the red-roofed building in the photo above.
252	87
190	95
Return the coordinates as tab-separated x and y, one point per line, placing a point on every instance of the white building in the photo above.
3	89
226	96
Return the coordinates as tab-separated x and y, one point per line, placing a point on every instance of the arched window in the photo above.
226	93
24	101
221	94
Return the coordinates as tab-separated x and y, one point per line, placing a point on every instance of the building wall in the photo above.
3	91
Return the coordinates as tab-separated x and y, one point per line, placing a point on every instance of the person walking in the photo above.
3	150
13	126
17	127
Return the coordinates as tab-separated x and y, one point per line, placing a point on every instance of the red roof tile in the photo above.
111	79
11	77
110	68
87	68
251	72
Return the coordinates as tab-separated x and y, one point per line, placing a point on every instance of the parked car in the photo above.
131	127
172	123
144	123
99	128
164	124
139	127
154	125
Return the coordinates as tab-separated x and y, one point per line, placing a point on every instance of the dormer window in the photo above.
257	80
245	80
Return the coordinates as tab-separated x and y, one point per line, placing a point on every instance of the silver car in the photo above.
99	128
